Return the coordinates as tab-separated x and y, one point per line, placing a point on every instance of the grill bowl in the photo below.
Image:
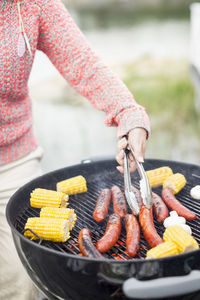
58	270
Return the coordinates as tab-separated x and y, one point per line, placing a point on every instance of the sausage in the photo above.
160	209
111	235
102	205
174	204
132	234
148	228
119	201
85	244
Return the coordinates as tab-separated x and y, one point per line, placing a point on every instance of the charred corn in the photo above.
59	213
56	230
157	176
183	240
42	198
175	182
74	185
165	249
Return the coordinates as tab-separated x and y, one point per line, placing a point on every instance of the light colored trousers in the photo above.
14	281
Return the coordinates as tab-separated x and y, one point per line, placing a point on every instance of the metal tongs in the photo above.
145	190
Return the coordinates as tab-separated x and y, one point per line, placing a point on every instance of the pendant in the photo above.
21	45
27	44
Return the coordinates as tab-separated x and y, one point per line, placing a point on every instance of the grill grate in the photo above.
84	205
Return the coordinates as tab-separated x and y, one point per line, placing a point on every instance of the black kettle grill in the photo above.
61	273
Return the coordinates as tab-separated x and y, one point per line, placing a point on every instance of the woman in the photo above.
47	26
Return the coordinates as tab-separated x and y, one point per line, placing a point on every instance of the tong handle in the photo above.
130	196
141	171
127	176
146	193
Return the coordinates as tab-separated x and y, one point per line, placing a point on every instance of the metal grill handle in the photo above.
28	229
162	287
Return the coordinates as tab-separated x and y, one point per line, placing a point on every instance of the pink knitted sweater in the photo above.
51	29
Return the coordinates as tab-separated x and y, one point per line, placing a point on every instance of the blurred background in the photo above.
154	46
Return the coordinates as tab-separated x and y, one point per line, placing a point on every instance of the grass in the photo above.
123	16
164	88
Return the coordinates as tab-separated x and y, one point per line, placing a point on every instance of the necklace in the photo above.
23	40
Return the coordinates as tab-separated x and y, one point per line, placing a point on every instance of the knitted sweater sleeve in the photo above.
67	48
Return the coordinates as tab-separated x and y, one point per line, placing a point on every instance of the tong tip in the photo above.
132	201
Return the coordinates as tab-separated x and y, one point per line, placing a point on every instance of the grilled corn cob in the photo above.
42	198
175	182
59	213
56	230
165	249
157	176
184	241
74	185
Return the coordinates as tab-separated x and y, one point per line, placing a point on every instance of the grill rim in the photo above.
73	256
84	258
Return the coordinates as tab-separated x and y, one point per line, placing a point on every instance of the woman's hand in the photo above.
137	141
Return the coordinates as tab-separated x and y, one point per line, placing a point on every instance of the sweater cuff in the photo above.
133	118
